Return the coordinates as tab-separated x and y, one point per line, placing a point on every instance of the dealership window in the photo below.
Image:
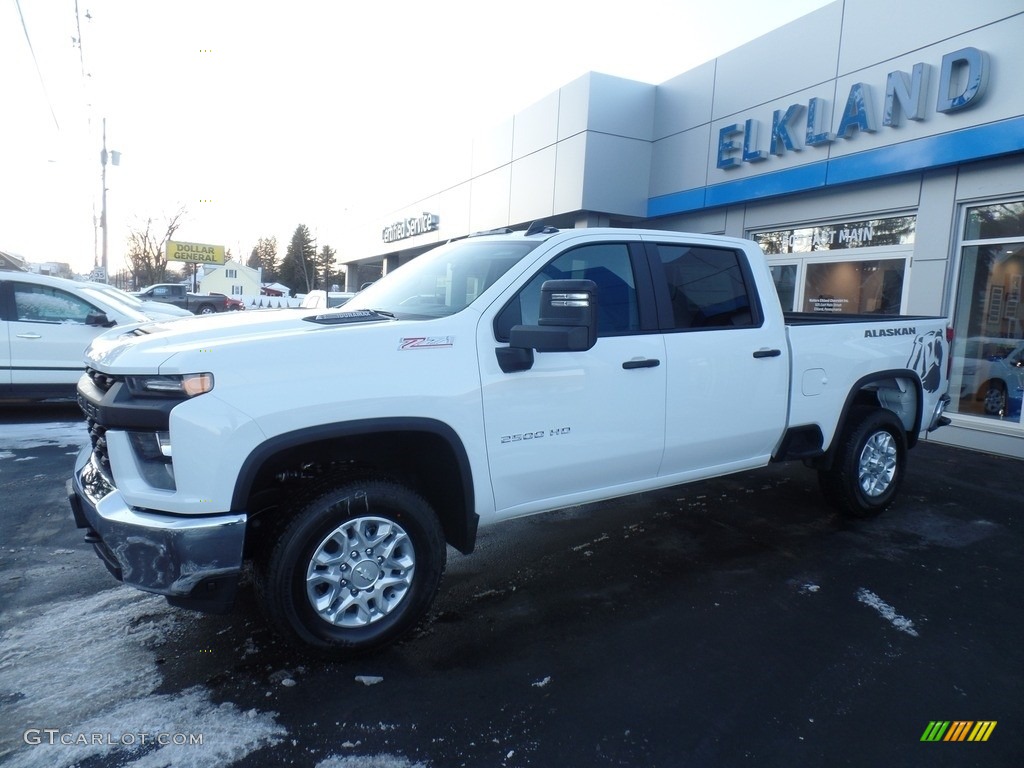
987	379
857	266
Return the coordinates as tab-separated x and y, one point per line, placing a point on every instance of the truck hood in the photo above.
146	347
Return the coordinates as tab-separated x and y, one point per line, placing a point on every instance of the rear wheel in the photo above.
869	463
356	568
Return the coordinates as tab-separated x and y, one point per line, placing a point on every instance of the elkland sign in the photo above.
963	79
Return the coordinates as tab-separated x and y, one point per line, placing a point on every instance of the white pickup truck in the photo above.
340	451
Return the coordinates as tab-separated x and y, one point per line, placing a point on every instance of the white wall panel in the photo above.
621	107
570	168
453	211
489	197
878	30
680	162
616	174
574	107
535	127
533	186
684	102
789	59
493	149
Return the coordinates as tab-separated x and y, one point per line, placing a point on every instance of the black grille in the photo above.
97	432
101	380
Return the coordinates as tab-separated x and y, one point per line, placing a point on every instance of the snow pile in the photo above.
88	668
902	623
374	761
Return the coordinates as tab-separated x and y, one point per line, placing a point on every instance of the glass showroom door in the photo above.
857	266
987	379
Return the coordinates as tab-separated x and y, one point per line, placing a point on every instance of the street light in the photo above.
115	159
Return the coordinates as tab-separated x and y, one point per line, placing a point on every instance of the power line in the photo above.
78	26
39	72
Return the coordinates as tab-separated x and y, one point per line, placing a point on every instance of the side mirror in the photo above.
568	319
567	323
99	318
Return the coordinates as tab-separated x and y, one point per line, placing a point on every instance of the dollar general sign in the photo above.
195	252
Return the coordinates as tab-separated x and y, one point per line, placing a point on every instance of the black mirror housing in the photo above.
99	318
567	322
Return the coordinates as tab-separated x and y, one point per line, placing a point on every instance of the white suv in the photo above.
45	325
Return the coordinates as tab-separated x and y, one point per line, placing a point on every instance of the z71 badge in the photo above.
426	342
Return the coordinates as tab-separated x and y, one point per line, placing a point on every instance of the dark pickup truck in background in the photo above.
179	296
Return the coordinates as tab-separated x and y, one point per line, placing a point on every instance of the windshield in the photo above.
115	302
442	281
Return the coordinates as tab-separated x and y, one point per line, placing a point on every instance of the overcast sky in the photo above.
258	116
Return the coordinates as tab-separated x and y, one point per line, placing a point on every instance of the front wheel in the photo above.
995	398
356	568
869	463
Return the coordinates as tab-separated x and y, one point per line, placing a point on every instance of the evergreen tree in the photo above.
298	267
264	256
325	274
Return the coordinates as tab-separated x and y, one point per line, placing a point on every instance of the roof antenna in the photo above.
539	227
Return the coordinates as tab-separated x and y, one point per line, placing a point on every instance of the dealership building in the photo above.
874	149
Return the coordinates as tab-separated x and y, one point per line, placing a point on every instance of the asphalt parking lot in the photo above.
724	623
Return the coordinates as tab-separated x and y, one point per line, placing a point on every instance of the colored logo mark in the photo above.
959	730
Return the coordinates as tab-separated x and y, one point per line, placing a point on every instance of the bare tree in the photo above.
147	249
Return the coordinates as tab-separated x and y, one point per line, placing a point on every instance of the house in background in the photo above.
12	263
231	279
276	289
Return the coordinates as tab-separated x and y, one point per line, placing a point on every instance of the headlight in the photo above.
187	385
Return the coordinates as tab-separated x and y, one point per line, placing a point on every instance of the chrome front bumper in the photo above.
194	561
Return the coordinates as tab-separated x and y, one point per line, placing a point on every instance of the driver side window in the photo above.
607	264
42	304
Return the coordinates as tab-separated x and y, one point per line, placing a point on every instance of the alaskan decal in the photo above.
426	342
874	333
926	358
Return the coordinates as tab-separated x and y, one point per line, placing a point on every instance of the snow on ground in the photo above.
886	611
78	683
25	436
374	761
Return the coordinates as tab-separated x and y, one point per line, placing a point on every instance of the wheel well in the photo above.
427	461
897	391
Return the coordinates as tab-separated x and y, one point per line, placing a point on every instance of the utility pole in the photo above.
115	159
103	213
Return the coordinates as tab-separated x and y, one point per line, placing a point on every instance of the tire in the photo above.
869	464
206	309
355	569
995	398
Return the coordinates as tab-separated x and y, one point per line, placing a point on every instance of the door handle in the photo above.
29	336
768	353
646	363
